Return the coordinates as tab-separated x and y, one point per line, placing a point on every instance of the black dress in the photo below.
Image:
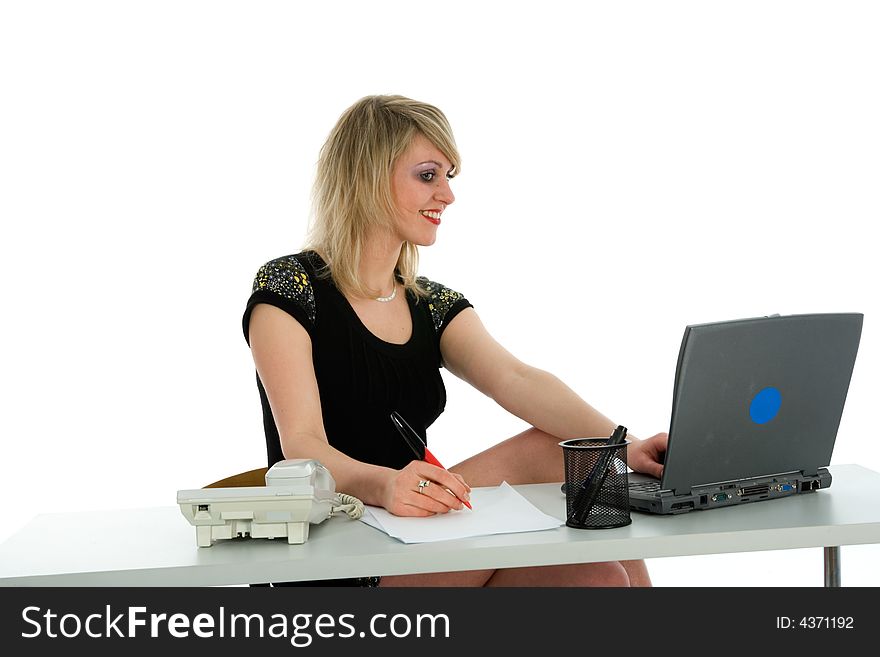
361	378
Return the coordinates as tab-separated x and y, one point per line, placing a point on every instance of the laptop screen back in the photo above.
759	396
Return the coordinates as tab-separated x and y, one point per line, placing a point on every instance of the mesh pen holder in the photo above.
596	483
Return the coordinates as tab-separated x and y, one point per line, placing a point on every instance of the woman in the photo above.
345	332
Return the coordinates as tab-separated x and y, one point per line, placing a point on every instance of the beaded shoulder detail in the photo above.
287	277
440	300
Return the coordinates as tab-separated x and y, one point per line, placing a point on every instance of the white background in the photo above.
628	168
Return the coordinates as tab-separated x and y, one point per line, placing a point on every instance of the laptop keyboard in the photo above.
645	486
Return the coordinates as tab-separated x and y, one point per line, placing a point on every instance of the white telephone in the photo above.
297	492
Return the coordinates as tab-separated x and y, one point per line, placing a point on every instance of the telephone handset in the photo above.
297	492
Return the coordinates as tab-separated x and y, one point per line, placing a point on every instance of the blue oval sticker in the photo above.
765	405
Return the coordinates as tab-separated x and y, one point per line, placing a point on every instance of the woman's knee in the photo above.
608	573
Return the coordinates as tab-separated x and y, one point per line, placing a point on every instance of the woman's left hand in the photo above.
647	455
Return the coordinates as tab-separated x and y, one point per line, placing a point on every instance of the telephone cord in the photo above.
348	504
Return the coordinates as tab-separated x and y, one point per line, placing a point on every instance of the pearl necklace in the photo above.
390	297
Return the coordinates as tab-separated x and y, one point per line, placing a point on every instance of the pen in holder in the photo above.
596	483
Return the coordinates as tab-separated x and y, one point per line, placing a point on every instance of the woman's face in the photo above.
421	192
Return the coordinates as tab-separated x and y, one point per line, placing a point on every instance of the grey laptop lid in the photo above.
758	396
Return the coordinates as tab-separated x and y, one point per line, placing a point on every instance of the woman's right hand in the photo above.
444	492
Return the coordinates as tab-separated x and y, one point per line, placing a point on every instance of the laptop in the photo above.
755	412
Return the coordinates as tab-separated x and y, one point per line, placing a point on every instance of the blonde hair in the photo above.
352	192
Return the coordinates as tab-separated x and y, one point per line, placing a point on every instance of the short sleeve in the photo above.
285	284
443	303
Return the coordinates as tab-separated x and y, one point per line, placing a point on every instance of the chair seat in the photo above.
255	477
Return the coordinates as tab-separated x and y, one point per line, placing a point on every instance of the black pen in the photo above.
589	489
417	445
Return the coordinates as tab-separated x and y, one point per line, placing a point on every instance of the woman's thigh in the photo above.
611	573
531	457
474	578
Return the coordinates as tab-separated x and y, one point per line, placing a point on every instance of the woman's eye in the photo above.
427	176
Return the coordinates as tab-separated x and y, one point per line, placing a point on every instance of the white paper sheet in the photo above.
497	510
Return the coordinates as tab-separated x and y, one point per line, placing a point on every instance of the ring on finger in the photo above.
423	484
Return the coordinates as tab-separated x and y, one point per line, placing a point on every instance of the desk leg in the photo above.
832	566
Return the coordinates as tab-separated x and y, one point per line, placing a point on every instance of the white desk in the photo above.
157	546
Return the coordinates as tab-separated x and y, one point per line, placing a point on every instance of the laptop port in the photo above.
683	505
754	490
720	497
783	488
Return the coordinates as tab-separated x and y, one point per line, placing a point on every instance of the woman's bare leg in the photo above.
544	463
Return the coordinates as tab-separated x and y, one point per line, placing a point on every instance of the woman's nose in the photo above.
444	192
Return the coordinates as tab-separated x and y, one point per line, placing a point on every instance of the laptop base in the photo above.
713	496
